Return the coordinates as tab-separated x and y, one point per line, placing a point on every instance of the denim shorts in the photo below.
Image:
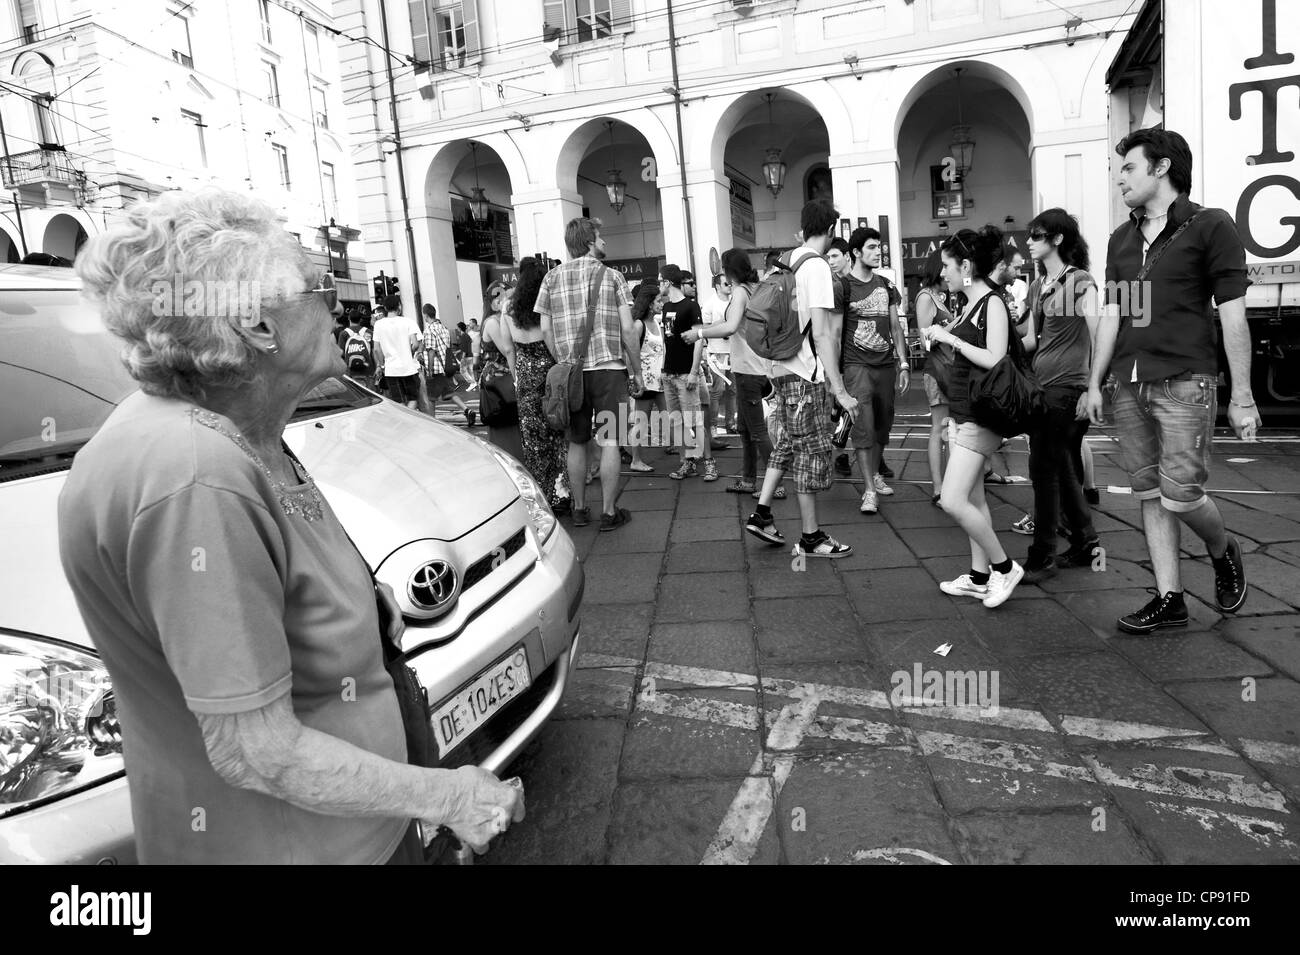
1165	429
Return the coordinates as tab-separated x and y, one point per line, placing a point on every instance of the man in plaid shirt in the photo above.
442	386
562	305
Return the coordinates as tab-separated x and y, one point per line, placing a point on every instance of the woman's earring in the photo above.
272	348
965	280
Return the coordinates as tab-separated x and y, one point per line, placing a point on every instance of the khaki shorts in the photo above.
975	438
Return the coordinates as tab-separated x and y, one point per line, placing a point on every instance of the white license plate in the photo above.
480	699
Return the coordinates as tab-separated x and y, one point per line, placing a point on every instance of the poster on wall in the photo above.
742	212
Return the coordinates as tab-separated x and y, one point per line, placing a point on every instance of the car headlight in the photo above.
540	514
58	721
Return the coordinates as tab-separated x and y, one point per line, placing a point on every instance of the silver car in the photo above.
490	585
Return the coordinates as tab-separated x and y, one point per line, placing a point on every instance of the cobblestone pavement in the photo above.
729	708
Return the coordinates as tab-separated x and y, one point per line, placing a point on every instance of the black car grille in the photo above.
502	724
483	566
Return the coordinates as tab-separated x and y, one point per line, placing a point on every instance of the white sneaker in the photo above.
1001	585
869	503
963	586
881	486
829	547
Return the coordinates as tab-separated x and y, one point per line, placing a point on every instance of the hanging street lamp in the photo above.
478	201
773	167
962	144
615	187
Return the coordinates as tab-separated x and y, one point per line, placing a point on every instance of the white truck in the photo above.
1226	75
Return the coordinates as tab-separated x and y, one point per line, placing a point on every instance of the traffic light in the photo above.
394	298
380	283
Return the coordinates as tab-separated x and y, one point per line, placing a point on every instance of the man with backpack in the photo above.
358	353
790	321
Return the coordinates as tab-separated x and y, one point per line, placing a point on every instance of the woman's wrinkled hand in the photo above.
481	806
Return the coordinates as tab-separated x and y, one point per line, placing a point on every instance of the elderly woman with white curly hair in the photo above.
238	623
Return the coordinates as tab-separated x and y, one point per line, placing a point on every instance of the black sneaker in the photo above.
1230	578
609	522
884	470
1038	568
1092	496
1079	555
764	529
1169	610
581	516
843	467
470	417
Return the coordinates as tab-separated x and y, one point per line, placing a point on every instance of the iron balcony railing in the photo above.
38	165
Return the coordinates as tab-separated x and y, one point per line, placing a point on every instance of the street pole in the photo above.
18	211
401	173
681	142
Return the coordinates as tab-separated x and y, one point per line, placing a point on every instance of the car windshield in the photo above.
61	376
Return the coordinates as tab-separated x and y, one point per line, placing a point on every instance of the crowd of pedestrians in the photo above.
675	374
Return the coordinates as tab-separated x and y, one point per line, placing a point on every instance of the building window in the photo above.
331	186
449	22
594	18
282	164
272	84
182	52
319	111
947	199
28	21
313	45
198	148
264	15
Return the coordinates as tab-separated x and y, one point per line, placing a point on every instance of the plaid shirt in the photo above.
436	342
563	298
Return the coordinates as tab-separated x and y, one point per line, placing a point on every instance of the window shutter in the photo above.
420	40
620	15
555	15
473	46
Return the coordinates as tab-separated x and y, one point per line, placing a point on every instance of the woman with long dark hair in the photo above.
545	451
1062	324
749	371
932	309
979	338
644	432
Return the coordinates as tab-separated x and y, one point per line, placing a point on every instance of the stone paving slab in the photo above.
1198	580
1274	714
703	596
1274	639
1101	685
852	805
966	785
1100	609
891	594
925	514
822	630
898	647
715	645
1166	658
616	629
569	774
874	545
705	556
633	578
1059	838
816	578
686	529
1117	573
1024	627
643	496
658	746
597	693
673	823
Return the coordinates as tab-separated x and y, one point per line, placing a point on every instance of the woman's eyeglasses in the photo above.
328	292
1037	235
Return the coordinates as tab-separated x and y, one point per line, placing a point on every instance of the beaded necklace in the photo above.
305	502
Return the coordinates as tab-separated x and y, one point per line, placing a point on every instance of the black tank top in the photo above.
972	329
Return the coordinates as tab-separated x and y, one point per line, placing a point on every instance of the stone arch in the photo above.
10	251
64	235
448	156
1007	72
579	140
726	115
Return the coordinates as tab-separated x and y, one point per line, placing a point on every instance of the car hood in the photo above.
391	475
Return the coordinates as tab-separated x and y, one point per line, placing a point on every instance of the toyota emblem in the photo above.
433	586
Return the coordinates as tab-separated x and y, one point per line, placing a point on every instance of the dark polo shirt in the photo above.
1169	329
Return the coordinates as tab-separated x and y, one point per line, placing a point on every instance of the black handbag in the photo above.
497	401
412	698
1006	398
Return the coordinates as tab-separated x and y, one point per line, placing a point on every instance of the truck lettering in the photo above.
1243	217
